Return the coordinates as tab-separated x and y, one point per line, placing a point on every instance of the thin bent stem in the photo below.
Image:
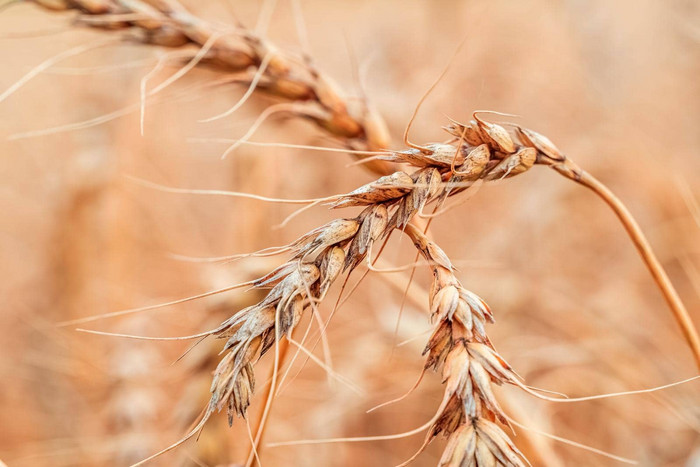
680	313
283	346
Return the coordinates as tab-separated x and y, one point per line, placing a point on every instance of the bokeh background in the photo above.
613	84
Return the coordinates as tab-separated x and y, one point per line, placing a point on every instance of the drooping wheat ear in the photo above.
321	255
253	61
458	347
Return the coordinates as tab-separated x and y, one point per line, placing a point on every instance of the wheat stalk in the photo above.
458	346
680	313
479	152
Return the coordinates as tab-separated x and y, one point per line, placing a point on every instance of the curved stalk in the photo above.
680	313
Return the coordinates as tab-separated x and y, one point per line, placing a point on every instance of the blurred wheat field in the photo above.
613	84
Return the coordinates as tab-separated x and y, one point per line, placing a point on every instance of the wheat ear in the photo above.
458	346
254	62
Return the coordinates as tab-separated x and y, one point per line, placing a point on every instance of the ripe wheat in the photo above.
479	151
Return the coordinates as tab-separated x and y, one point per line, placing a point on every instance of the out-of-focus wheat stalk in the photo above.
236	50
321	255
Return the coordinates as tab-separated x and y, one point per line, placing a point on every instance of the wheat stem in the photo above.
680	313
268	396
